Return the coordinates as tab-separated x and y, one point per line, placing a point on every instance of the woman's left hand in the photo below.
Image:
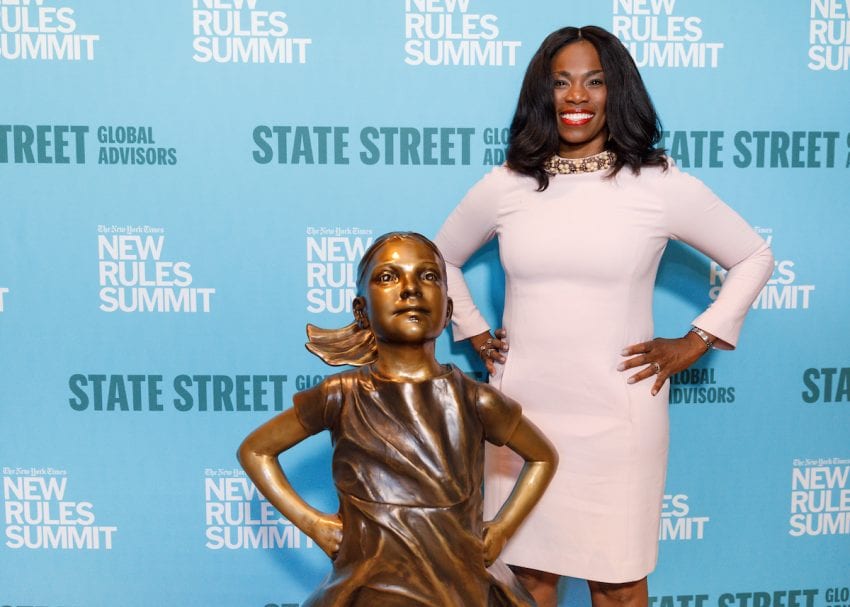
662	358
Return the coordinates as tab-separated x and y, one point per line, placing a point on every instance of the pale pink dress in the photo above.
580	261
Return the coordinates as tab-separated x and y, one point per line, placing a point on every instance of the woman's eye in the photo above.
430	275
597	82
559	84
384	277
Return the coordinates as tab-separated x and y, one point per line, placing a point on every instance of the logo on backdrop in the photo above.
132	145
66	144
820	497
755	149
699	387
237	516
40	516
45	31
496	141
677	521
656	37
452	146
133	277
782	291
762	598
837	596
236	31
332	257
829	35
446	32
196	392
827	385
3	291
382	145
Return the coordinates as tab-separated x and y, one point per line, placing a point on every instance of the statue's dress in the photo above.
408	466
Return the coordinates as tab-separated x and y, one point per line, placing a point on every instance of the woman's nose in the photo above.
576	93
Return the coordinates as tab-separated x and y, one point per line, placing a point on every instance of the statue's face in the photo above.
405	293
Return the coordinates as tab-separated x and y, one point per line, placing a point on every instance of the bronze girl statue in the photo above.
408	449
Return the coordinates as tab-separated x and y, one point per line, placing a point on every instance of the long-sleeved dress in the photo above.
580	261
408	465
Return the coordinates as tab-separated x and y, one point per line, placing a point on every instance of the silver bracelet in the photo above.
709	342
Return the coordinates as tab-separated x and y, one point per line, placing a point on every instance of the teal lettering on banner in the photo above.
110	393
43	144
785	149
828	385
679	600
777	598
412	146
301	144
834	595
225	393
385	145
216	393
694	149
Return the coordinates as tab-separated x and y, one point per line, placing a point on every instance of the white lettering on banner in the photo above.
780	293
332	258
3	291
656	37
37	515
237	516
446	33
820	497
676	522
236	32
829	35
134	278
45	33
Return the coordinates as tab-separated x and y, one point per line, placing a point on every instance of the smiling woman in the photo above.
580	240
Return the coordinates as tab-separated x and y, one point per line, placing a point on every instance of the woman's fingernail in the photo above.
624	353
654	392
631	380
621	367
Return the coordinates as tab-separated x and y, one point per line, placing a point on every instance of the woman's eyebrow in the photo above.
590	73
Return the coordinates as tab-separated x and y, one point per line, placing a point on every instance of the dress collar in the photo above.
557	165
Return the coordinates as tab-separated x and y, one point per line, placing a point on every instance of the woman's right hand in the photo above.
490	348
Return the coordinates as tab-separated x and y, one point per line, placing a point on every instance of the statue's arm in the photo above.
541	461
258	455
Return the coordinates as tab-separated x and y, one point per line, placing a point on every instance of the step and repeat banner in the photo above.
184	184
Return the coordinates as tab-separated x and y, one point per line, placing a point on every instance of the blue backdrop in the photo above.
185	184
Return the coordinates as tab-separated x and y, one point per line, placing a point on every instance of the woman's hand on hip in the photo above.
491	349
661	358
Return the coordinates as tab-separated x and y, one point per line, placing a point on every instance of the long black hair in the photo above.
633	125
